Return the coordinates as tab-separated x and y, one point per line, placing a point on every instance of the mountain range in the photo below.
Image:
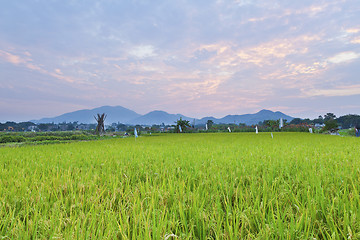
123	115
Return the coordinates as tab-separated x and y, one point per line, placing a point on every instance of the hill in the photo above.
158	117
250	119
114	114
127	116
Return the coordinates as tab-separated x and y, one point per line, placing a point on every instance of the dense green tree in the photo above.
319	120
273	124
330	124
121	127
23	126
210	123
296	121
329	116
183	124
43	126
110	129
349	121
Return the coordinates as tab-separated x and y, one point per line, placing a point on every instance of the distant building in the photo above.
319	125
32	128
334	131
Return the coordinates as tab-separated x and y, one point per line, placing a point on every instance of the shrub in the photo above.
330	124
9	138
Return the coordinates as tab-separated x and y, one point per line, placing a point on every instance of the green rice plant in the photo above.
183	186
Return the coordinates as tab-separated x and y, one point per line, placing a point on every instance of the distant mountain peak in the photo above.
265	111
157	112
114	114
123	115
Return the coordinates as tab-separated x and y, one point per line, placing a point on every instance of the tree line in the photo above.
345	122
329	120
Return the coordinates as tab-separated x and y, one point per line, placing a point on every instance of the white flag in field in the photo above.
310	130
272	136
180	128
281	123
256	130
206	127
229	129
135	133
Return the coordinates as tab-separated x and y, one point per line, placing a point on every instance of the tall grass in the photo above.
183	186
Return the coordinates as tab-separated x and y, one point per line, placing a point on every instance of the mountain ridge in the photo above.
124	115
114	114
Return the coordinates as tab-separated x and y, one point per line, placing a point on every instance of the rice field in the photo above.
183	186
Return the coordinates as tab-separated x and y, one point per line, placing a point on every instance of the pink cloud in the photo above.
11	58
28	63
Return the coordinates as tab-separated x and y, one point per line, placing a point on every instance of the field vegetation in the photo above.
21	138
183	186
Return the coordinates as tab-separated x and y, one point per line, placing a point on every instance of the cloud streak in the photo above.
27	62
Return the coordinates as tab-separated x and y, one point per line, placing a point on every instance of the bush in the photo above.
43	137
244	129
330	124
79	137
9	138
352	132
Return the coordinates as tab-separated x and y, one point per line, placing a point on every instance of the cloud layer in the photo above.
198	58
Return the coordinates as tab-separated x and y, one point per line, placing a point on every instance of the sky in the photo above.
195	57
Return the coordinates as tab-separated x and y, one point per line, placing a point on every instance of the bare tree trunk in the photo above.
100	128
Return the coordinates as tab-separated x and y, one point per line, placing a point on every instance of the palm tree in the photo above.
183	124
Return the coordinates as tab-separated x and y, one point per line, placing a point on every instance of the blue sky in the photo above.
199	58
